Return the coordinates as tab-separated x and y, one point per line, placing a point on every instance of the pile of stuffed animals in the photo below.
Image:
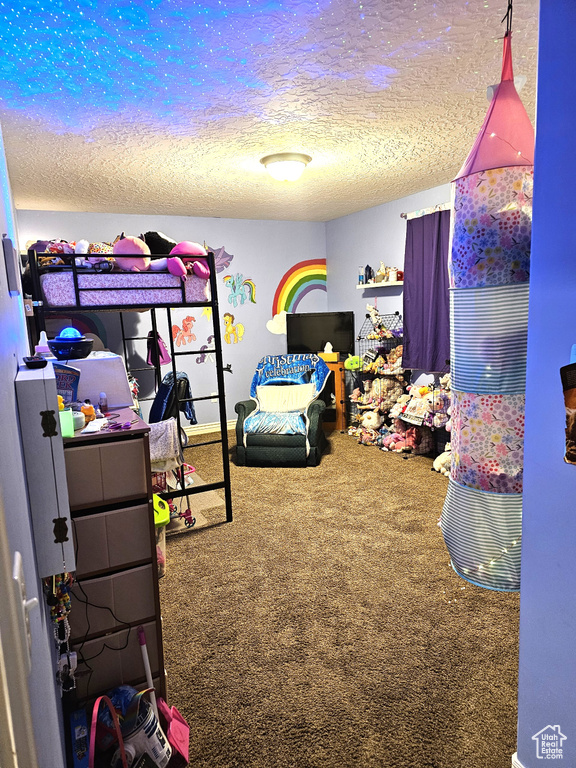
402	419
128	254
379	327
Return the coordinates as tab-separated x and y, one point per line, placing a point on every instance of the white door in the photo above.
17	747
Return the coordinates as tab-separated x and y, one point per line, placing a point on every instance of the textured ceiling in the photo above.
167	106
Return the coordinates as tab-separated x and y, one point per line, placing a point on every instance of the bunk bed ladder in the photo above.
223	440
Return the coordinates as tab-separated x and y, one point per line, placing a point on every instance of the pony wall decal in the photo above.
241	289
221	258
184	335
207	351
232	333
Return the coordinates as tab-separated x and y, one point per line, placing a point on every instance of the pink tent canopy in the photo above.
489	268
507	136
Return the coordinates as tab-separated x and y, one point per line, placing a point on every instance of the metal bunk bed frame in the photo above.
41	311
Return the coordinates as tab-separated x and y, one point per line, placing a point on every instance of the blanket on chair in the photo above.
283	387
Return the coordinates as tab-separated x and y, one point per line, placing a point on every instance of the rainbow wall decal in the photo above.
302	278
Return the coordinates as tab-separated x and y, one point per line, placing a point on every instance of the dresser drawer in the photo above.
129	595
116	657
104	474
114	539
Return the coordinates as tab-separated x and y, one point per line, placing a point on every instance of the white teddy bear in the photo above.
442	462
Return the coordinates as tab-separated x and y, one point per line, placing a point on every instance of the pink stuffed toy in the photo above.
176	267
411	441
172	264
190	252
131	254
397	440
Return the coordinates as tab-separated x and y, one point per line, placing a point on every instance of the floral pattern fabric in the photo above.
487	441
492	225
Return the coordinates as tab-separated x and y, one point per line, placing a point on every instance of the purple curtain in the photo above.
426	297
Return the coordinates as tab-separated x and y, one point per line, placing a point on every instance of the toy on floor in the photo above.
406	438
189	521
442	462
371	420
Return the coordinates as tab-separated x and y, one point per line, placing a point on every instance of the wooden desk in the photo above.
339	386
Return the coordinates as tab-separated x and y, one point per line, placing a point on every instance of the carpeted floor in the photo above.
324	627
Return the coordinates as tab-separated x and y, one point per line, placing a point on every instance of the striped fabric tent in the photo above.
489	270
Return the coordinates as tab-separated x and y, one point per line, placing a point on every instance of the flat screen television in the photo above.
310	331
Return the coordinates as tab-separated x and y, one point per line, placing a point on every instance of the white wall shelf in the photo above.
382	284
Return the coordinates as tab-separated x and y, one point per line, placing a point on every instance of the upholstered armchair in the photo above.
282	422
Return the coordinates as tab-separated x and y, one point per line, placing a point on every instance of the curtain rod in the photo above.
426	211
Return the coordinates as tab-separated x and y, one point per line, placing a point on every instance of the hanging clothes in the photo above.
157	352
171	397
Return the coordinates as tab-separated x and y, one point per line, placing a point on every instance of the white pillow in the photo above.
284	398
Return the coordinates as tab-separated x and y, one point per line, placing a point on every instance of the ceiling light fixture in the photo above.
286	166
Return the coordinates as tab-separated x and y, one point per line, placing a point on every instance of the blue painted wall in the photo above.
263	251
547	672
369	237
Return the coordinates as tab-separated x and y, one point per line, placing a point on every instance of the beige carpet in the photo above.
325	628
197	503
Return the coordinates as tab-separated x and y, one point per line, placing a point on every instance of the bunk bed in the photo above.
58	289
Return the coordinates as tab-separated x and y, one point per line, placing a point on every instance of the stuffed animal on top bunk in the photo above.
51	246
184	258
97	256
190	253
193	256
132	254
158	242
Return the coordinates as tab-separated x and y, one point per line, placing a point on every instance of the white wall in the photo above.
263	251
547	673
43	695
